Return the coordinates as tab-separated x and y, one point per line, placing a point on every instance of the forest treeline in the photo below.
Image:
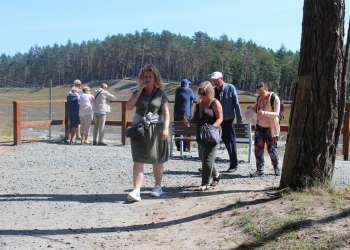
243	63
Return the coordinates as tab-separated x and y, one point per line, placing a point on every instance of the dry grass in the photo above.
315	218
40	111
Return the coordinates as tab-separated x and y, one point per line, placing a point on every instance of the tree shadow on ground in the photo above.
143	227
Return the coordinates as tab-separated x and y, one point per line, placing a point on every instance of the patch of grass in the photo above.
306	221
6	90
6	132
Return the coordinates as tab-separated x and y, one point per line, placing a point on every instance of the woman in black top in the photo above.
211	114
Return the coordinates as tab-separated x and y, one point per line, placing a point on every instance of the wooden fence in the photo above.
18	125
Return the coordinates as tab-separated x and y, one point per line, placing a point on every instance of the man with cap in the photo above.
227	95
184	97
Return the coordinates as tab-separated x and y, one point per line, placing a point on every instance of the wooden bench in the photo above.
185	133
243	135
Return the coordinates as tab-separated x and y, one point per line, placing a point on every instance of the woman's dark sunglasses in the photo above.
201	93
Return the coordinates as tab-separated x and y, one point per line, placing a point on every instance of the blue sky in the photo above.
268	23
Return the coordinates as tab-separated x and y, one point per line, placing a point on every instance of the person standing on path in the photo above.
267	128
151	104
73	99
227	95
100	107
85	114
77	84
184	97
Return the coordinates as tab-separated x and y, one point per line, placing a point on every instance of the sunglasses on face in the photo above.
202	93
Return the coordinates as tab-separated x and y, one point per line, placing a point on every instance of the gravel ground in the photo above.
65	196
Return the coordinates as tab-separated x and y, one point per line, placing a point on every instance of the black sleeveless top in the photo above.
208	116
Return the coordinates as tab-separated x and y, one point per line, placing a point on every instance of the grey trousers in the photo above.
99	127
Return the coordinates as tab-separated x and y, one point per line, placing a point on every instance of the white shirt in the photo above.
85	105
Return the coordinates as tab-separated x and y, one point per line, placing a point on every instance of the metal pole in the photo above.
50	111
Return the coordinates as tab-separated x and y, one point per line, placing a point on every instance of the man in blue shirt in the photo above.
184	97
227	95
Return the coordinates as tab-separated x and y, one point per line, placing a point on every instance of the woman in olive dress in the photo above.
151	104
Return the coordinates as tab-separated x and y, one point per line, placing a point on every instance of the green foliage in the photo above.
121	56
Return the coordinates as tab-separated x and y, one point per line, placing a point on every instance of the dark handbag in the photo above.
135	131
209	133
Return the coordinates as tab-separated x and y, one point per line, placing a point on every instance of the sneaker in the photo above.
134	196
257	174
231	169
156	191
277	170
101	144
94	143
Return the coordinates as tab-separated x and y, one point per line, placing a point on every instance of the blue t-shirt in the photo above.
183	98
72	103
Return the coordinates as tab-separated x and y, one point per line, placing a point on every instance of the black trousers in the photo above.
228	136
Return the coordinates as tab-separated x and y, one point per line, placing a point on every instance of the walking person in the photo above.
211	113
267	128
184	97
101	107
227	95
85	114
151	104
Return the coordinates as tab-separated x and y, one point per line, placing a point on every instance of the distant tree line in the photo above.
119	56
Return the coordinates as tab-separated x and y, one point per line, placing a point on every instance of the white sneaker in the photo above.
157	191
134	196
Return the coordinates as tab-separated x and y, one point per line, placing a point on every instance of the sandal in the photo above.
215	181
201	188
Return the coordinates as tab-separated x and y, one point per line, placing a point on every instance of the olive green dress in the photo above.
151	148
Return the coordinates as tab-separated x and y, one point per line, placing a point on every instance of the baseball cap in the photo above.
216	75
185	81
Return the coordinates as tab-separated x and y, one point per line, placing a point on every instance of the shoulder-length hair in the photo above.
208	89
158	81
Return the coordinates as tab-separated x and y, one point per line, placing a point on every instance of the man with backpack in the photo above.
267	129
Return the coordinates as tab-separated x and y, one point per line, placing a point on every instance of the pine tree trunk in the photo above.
319	100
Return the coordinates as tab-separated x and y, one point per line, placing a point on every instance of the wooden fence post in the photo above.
17	123
65	119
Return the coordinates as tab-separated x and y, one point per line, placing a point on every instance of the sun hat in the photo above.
216	75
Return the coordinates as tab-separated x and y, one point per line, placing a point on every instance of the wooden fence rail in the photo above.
125	123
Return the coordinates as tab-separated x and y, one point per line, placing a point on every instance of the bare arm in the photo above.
130	104
165	111
218	112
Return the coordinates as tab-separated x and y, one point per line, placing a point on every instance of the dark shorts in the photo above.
74	120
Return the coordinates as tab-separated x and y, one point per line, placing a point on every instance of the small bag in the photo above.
135	131
210	133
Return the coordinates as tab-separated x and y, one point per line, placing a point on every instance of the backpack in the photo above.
272	100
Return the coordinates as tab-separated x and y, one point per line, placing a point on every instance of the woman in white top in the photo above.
85	114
